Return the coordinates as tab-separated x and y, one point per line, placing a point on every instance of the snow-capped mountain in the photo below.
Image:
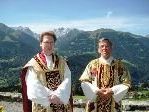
27	31
60	32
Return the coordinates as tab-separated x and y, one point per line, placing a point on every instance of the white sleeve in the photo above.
35	90
89	90
64	89
119	91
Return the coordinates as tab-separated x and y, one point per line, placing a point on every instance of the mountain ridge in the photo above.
78	46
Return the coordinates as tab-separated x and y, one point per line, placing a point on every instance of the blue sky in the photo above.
42	15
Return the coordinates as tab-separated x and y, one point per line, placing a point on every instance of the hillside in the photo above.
17	47
132	48
15	50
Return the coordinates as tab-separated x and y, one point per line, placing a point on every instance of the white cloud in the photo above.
132	25
109	14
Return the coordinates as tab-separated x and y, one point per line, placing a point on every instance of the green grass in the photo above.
79	97
139	99
143	95
145	92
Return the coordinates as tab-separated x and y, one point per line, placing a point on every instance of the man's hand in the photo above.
108	91
105	93
101	92
54	99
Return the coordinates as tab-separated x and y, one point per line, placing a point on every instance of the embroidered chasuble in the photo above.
103	75
50	77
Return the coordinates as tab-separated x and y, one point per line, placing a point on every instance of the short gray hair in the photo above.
105	39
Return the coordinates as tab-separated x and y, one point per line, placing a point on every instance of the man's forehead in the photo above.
48	37
104	42
48	40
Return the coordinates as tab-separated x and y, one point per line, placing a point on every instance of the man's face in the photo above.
105	49
47	44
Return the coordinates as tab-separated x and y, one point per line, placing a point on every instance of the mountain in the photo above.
27	31
133	49
147	36
144	41
71	43
60	32
17	47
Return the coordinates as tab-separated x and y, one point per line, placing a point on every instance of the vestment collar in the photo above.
106	61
